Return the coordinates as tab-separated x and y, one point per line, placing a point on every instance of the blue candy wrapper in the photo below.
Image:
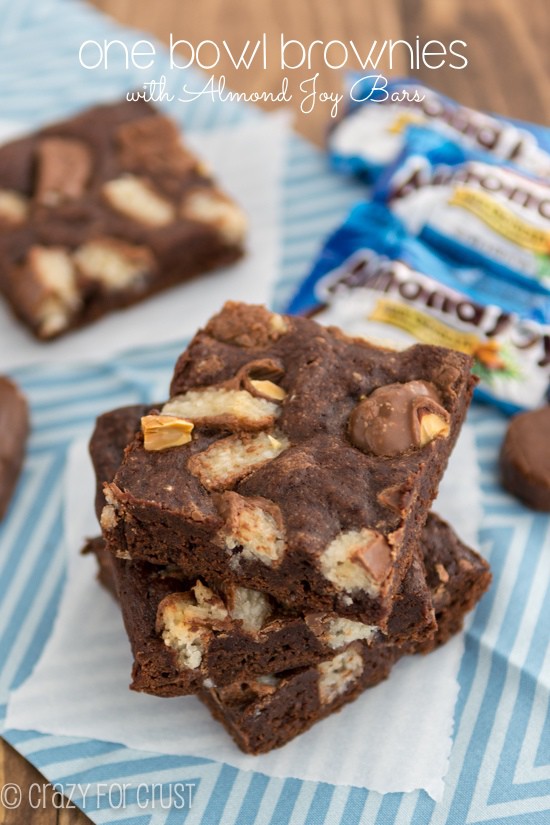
375	280
470	206
373	132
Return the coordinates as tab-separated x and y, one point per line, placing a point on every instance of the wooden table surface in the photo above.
508	72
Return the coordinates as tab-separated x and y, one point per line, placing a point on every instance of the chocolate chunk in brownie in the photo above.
99	211
525	458
276	485
14	431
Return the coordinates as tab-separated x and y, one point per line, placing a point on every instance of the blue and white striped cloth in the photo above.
500	763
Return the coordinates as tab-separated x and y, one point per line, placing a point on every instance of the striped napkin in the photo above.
499	770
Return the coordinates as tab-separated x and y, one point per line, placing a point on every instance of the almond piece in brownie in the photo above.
102	210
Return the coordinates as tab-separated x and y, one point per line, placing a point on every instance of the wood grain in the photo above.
508	66
37	807
508	70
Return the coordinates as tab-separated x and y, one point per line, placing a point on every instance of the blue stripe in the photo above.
423	811
252	799
218	799
388	809
17	558
543	750
319	804
45	623
355	804
286	802
503	788
123	768
76	750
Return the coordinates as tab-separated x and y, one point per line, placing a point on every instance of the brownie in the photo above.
105	564
293	460
267	712
99	211
457	577
264	711
289	641
14	431
185	632
113	431
525	458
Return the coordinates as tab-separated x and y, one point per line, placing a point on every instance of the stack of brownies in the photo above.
267	530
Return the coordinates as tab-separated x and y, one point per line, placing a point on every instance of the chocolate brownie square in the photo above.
99	211
153	596
263	708
186	634
293	460
267	712
115	429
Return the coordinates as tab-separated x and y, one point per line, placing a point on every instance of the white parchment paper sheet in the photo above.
248	160
395	737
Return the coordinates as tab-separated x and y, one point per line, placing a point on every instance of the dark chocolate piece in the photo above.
270	493
14	431
102	210
525	458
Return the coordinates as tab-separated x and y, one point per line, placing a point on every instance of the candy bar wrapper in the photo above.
375	280
472	208
373	132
